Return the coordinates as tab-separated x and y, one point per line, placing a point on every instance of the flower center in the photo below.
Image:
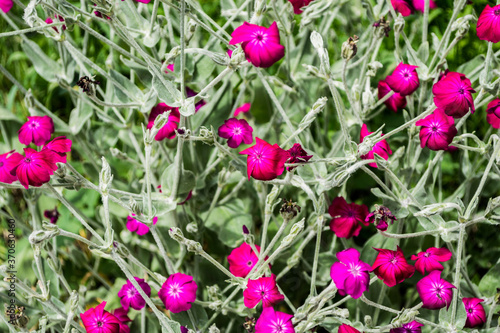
427	255
237	131
259	37
249	263
1	164
100	324
470	310
258	156
406	74
131	293
27	160
355	270
34	124
461	91
393	260
496	12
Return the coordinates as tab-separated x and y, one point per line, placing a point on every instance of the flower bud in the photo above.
213	329
177	235
74	301
296	229
193	246
399	24
192	227
105	177
349	47
39	236
368	321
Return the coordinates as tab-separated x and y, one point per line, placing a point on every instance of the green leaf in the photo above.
47	68
199	315
7	115
132	93
490	281
186	183
166	91
79	117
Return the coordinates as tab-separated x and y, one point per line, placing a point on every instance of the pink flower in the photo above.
419	5
170	68
184	329
404	79
37	130
453	93
261	45
476	316
178	292
395	102
391	267
402	6
350	274
265	161
297	155
6	5
381	148
263	289
438	130
49	20
236	131
242	109
493	120
35	168
52	215
494	107
271	321
299	4
411	327
435	292
242	259
59	147
168	130
346	218
98	320
488	24
130	297
138	227
344	328
8	162
121	315
429	260
380	216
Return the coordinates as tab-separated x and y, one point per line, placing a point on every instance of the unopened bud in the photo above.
192	227
399	24
213	329
177	235
105	177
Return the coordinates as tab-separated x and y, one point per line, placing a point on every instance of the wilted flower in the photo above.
242	259
8	162
261	45
263	289
438	130
265	161
453	93
384	27
391	267
380	216
168	130
121	315
52	215
237	131
37	129
346	218
395	102
6	5
138	227
35	168
381	148
488	24
404	79
130	297
178	292
297	155
429	260
350	274
271	321
420	5
349	47
299	4
402	6
344	328
411	327
242	109
476	316
98	320
435	292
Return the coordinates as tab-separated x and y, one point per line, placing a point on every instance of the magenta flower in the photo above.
168	130
37	130
265	161
191	93
350	274
98	320
178	292
411	327
49	20
35	168
242	259
138	227
493	120
130	297
391	267
121	315
263	289
236	131
271	321
476	316
453	93
299	4
8	162
494	107
52	215
184	329
435	292
429	260
438	130
346	218
395	102
59	147
419	5
344	328
242	109
297	155
380	216
404	79
261	45
402	6
6	5
381	148
171	68
488	24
